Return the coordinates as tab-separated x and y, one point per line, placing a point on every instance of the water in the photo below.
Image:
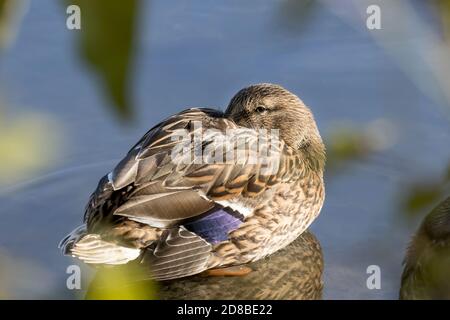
200	54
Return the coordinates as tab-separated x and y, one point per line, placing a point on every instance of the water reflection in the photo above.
427	263
292	273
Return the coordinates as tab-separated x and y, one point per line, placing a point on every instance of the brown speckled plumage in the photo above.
148	201
296	205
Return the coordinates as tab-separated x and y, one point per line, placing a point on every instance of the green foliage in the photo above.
10	14
28	143
346	144
19	274
3	22
421	196
2	5
121	283
295	14
443	7
106	44
424	194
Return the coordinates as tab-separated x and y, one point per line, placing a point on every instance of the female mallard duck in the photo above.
182	214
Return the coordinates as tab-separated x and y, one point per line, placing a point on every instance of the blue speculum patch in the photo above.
215	226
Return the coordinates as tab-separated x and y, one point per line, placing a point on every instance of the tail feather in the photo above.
67	243
91	249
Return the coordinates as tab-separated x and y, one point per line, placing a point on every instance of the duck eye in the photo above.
261	109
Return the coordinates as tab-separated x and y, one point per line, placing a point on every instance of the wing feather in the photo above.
180	253
162	188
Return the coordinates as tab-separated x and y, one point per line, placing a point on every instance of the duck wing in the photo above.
173	184
172	173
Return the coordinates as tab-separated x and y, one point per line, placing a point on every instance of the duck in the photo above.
427	262
207	191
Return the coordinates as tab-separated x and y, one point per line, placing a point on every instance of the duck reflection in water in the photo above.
427	264
294	272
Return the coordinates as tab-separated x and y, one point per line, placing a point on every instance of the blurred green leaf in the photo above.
443	9
2	5
10	13
347	141
28	143
107	45
4	32
344	145
121	282
293	15
19	276
422	196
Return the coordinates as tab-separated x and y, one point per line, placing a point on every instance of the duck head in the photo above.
269	106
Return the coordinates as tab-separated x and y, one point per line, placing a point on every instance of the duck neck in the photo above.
314	155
